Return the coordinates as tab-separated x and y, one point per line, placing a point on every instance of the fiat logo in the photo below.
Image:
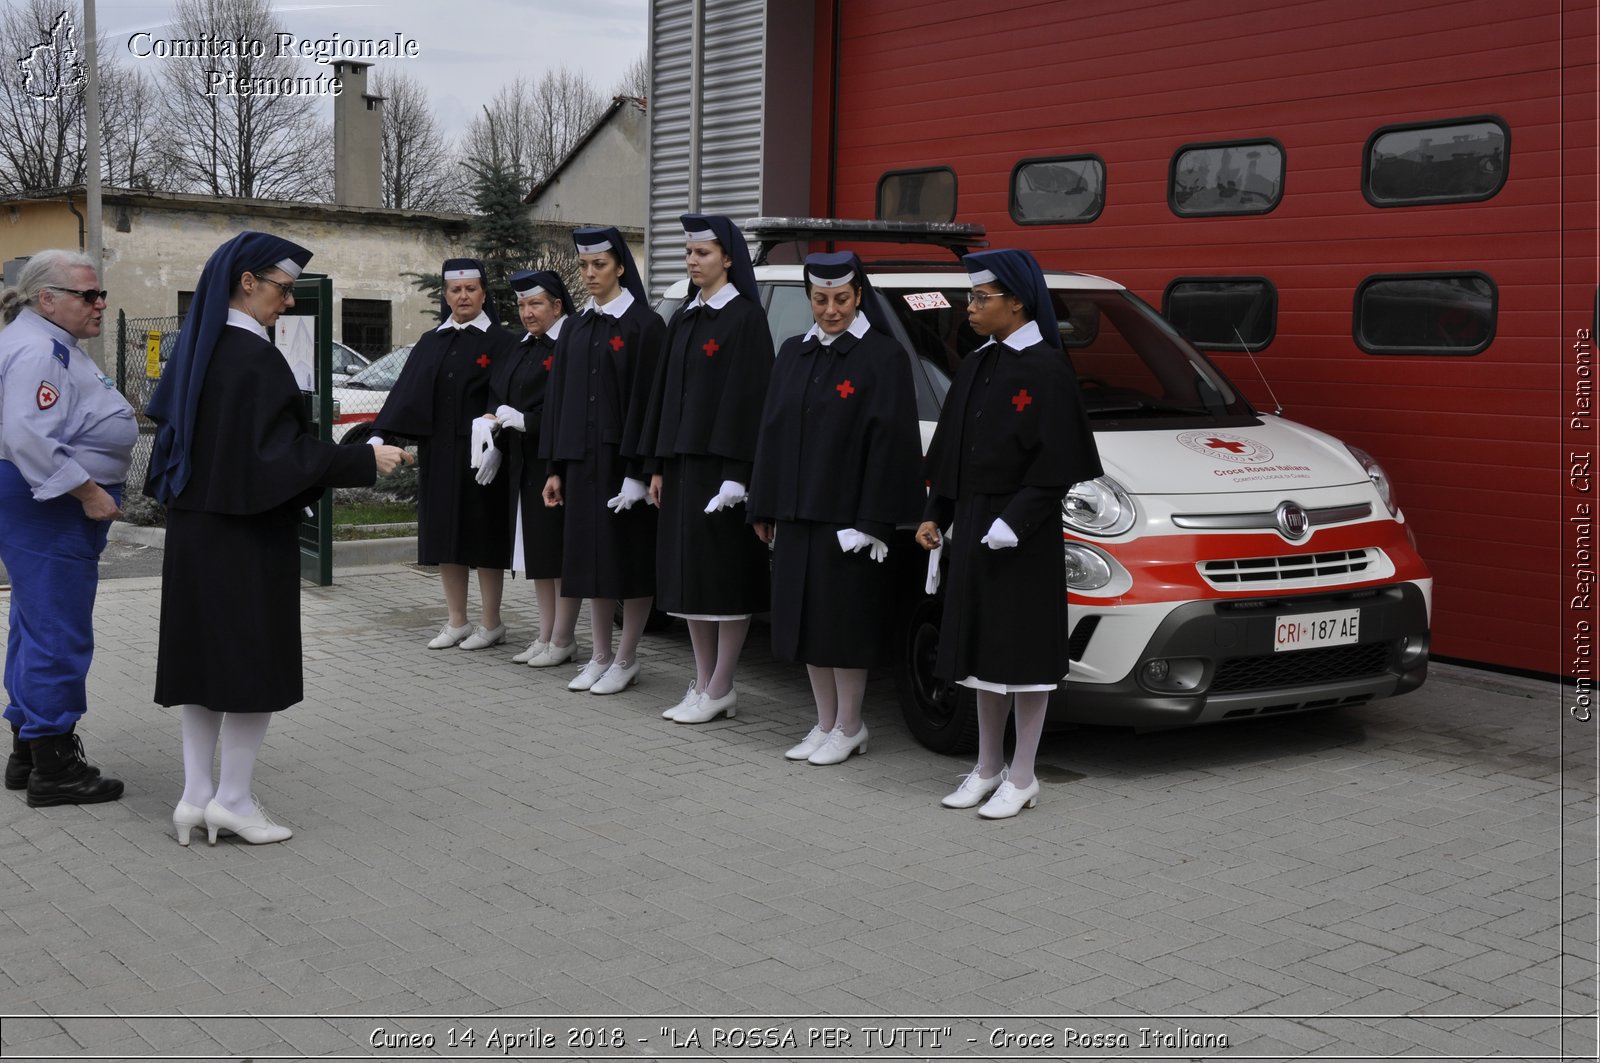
1292	521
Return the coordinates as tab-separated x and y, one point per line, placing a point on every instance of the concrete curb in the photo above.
353	554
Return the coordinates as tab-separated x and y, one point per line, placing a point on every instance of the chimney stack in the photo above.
357	138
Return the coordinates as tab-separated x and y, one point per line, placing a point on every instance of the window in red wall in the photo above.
918	195
1223	313
1065	190
1425	313
1454	161
1234	177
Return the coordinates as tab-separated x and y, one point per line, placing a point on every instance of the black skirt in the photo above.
230	611
542	533
605	554
459	521
1005	611
829	608
707	564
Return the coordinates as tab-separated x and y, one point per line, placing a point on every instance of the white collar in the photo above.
615	308
724	295
552	333
481	323
50	328
239	319
858	327
1024	337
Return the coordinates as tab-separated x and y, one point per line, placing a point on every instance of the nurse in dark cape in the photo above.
517	388
598	470
1013	437
837	469
700	430
463	505
235	462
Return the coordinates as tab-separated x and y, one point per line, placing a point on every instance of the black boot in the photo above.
20	763
62	777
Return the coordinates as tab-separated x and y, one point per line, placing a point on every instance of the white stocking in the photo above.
992	712
242	735
200	726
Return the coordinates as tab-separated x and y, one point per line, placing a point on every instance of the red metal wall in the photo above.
1473	443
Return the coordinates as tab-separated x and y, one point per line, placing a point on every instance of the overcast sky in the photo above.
468	50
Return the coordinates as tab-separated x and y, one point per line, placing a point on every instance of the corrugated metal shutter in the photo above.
732	94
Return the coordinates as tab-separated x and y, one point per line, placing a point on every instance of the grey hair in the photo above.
43	270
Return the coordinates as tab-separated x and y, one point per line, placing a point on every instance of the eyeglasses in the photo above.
287	290
88	295
980	299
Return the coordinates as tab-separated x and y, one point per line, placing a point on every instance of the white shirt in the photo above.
552	333
481	323
724	295
240	319
1023	338
615	308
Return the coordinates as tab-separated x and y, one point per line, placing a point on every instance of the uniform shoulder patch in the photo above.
60	351
47	395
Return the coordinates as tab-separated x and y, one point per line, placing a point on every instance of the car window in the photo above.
788	312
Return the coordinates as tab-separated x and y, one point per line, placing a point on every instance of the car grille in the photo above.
1301	668
1293	568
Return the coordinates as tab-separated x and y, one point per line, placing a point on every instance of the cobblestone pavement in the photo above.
475	846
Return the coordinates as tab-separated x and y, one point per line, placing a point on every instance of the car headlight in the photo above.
1087	569
1379	478
1098	507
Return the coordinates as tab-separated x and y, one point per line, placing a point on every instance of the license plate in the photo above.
1311	630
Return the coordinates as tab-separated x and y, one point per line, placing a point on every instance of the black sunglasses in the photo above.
88	295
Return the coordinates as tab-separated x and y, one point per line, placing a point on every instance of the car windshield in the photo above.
381	375
1135	370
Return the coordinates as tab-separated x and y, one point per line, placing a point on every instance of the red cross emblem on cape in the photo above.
483	361
616	343
547	360
1021	400
1226	444
845	390
47	395
711	347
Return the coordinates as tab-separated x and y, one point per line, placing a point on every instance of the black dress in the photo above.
1012	438
593	420
443	388
839	449
520	382
230	573
701	427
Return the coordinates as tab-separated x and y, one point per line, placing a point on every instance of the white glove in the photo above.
482	441
375	440
487	467
732	494
931	585
632	491
1000	536
852	541
511	417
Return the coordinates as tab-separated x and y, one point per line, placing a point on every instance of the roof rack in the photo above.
956	237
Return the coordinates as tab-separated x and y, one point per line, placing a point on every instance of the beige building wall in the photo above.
156	245
603	181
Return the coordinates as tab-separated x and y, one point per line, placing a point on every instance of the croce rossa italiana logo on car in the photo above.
1238	449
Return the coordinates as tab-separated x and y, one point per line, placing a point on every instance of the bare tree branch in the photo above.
635	82
531	128
417	161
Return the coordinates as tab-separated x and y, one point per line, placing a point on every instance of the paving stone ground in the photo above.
475	846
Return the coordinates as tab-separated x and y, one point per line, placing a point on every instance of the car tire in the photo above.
358	433
942	716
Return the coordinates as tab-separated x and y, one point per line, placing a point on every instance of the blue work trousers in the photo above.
51	551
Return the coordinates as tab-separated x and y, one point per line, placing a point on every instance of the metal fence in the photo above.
143	345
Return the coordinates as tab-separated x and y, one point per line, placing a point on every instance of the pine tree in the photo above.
503	237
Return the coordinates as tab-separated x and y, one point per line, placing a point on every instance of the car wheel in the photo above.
942	716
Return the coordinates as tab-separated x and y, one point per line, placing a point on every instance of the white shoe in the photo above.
589	676
837	747
974	788
256	829
448	636
483	638
534	649
808	745
553	655
709	708
185	818
691	698
617	678
1008	801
